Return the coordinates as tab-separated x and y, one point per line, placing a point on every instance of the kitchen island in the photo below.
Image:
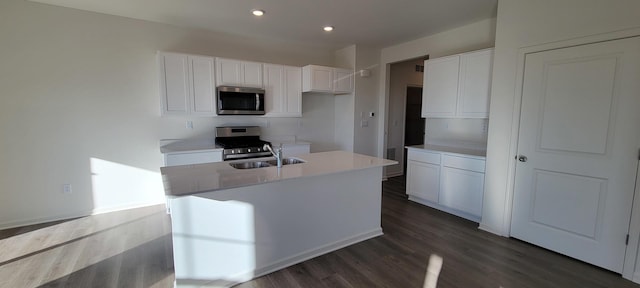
231	225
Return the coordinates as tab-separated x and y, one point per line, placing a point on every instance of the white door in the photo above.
579	131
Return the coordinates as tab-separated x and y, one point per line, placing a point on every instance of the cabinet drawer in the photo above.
427	157
470	164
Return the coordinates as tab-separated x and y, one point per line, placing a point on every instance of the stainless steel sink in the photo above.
286	161
250	165
261	164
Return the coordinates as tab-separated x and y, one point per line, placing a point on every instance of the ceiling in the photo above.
375	23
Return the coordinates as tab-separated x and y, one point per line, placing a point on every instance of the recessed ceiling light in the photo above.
257	12
328	28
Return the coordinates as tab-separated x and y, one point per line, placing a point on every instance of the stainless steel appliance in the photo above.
241	142
240	101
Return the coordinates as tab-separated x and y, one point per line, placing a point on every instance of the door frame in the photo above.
628	270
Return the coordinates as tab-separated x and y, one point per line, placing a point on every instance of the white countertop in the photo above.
479	150
190	179
178	146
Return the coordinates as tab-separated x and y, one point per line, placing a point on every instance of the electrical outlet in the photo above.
189	125
66	189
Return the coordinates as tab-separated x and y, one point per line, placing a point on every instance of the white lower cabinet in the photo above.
452	183
423	180
462	190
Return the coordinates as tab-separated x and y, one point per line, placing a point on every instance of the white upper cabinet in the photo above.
283	91
233	72
458	86
326	79
440	87
475	84
187	84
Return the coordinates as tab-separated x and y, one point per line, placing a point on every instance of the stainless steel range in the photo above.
241	142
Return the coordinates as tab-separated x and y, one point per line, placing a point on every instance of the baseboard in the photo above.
636	277
312	253
284	263
34	221
461	214
389	175
65	216
490	230
126	207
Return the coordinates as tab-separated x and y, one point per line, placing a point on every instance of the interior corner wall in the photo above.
524	23
345	103
366	101
80	105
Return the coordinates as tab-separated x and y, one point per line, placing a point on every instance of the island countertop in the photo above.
191	179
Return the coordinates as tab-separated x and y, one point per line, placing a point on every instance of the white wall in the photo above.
458	132
345	103
366	101
470	37
80	104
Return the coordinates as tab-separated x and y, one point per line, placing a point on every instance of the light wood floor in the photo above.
133	249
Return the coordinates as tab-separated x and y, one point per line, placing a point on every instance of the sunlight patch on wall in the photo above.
117	186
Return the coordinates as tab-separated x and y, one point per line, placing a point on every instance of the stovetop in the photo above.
240	142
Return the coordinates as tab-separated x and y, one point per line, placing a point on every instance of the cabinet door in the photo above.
440	92
203	87
274	89
343	81
475	84
293	91
462	190
228	72
174	83
317	79
423	180
252	74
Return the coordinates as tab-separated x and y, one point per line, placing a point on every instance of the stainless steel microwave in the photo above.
240	100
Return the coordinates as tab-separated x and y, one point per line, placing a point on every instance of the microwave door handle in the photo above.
257	102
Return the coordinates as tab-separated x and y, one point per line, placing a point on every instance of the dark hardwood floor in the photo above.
135	251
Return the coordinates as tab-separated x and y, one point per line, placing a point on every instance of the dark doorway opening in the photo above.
414	123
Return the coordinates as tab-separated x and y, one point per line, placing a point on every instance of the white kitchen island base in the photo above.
224	237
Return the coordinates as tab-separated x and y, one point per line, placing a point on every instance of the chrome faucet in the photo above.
277	153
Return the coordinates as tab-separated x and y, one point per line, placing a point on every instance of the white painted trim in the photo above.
66	216
34	221
395	174
312	253
445	209
631	253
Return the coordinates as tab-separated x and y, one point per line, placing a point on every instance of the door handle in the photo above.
522	158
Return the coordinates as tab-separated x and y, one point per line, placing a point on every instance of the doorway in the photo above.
414	123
